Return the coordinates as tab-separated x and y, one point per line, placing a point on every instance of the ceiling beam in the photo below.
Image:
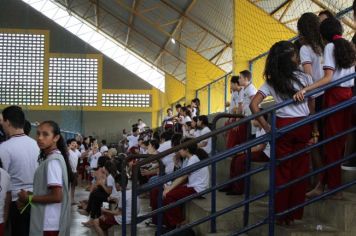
132	16
285	10
324	6
180	21
175	8
221	51
283	4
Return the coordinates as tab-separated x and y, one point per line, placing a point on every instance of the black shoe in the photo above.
224	190
233	193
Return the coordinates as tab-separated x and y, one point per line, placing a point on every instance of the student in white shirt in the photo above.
103	147
195	104
133	139
182	187
339	61
19	155
283	79
247	93
233	137
168	120
74	156
52	210
311	57
111	217
5	198
259	153
141	125
203	124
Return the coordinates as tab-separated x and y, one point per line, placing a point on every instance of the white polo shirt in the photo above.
199	179
168	161
5	188
104	149
330	63
133	141
247	92
19	156
299	109
267	150
203	131
308	56
52	211
73	159
94	159
235	98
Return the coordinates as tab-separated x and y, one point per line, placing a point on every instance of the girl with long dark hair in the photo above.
50	198
311	54
283	79
339	61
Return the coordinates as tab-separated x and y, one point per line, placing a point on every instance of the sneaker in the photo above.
350	165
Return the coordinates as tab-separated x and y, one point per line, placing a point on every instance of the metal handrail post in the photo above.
134	222
272	176
213	184
159	200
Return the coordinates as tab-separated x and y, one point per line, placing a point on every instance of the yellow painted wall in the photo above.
255	31
199	73
174	89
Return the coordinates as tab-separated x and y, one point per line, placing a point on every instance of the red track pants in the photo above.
291	142
236	135
334	124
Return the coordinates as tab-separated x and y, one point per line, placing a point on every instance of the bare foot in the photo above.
318	190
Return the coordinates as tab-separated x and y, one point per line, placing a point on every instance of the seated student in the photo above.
203	125
5	198
113	217
259	153
149	170
182	187
100	191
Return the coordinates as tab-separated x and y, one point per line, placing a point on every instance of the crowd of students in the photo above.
321	55
38	179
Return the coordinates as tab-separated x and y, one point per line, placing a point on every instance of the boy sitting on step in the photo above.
259	153
111	217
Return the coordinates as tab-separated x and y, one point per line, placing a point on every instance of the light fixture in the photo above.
173	40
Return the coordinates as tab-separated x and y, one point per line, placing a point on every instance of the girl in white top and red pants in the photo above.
339	61
283	79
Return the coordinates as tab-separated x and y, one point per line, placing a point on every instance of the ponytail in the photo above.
344	52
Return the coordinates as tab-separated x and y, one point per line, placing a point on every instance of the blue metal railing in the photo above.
271	166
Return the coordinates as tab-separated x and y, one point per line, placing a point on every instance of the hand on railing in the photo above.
299	96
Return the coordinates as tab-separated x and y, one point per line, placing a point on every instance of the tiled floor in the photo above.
77	219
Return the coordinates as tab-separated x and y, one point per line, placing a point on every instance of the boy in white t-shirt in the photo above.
133	139
74	156
5	198
111	217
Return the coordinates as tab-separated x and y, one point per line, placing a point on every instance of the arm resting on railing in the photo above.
257	99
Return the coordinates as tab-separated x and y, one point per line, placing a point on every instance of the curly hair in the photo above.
309	29
344	52
280	69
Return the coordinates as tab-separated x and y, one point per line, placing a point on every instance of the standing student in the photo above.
233	137
311	55
5	198
203	124
168	120
50	214
339	61
74	156
141	125
19	156
283	79
103	147
195	104
133	139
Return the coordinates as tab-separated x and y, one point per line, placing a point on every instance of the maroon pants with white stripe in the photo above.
236	135
334	124
237	167
289	170
173	216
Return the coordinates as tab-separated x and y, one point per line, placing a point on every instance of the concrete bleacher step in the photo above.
229	222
